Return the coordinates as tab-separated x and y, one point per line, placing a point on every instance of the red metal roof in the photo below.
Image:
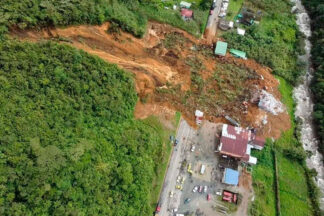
186	13
259	141
234	141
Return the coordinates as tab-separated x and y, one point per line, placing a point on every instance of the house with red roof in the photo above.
186	14
237	143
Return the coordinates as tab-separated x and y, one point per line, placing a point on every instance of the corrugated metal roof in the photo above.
238	53
231	176
234	141
185	4
221	48
186	13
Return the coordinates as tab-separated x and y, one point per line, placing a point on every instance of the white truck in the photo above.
202	169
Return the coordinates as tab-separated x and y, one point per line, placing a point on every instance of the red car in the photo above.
208	197
158	209
211	12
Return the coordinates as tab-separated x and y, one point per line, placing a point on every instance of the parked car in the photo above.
193	147
176	141
205	189
187	201
219	193
183	179
195	189
211	12
200	189
158	208
179	187
208	197
171	194
178	179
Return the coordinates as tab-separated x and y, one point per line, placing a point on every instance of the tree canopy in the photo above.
68	141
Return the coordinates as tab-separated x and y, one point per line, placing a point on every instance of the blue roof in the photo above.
231	176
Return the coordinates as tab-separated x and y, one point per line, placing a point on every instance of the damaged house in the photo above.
236	142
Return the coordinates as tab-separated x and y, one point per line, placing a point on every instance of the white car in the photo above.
195	189
205	189
171	194
193	147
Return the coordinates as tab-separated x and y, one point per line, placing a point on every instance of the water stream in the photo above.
304	101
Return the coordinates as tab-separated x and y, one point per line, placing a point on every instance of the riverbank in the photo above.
304	103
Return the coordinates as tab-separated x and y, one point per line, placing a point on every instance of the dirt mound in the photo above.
169	66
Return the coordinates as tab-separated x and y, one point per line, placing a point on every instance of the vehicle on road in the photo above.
200	189
205	189
219	193
179	187
187	201
178	179
183	179
195	189
193	147
171	194
211	12
176	141
158	209
202	169
189	168
208	197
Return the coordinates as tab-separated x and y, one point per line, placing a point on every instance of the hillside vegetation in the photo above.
274	42
316	11
130	15
69	144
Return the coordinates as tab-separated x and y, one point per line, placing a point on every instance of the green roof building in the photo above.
238	53
221	48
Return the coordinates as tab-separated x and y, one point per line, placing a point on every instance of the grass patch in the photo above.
263	183
292	188
233	9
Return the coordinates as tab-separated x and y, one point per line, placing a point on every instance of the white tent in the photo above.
240	31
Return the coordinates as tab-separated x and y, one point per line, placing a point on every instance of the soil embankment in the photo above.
163	62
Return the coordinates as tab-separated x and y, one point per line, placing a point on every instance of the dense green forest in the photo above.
316	12
68	141
130	15
275	41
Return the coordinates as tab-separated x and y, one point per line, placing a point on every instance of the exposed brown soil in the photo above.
157	66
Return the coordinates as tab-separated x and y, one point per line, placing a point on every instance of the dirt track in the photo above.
156	67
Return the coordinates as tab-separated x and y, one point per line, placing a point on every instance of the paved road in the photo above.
212	22
178	154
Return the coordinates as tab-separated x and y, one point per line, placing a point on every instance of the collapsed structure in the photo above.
236	142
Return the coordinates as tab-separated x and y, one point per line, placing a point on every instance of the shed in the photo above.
184	4
231	177
221	48
186	13
241	31
238	53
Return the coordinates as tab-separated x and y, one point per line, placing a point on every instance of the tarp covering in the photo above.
185	4
221	48
238	53
231	176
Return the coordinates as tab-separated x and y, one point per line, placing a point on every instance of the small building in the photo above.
238	53
184	4
225	25
186	14
237	143
231	177
241	31
221	48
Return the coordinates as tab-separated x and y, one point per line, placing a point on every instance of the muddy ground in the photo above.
163	62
